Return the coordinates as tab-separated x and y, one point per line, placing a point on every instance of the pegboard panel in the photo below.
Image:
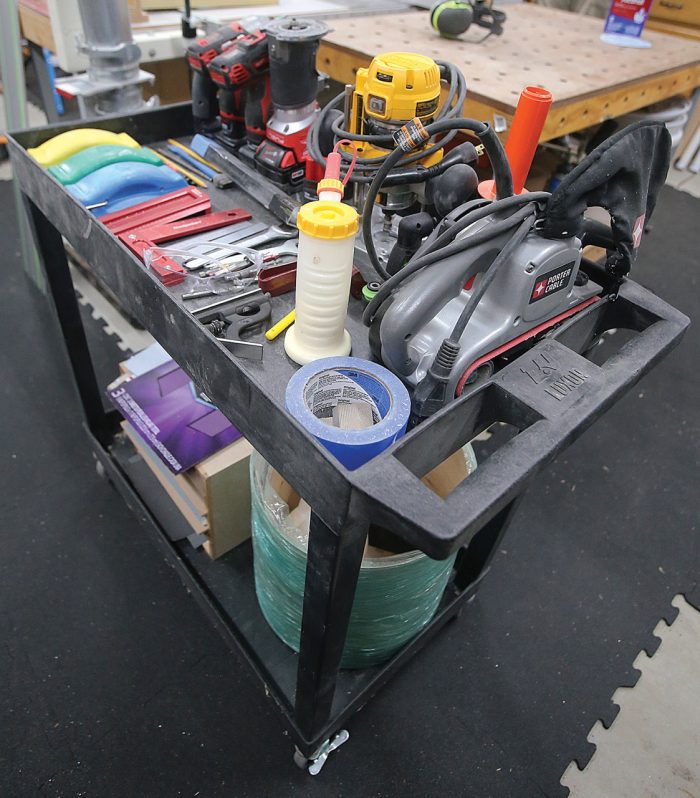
539	46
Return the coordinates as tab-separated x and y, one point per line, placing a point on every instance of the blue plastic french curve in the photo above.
121	185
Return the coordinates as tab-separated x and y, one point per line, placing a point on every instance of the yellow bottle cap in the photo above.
327	219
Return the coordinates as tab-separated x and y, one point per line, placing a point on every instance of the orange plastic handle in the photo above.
525	132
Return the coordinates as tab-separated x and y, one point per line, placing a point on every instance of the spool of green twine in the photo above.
396	595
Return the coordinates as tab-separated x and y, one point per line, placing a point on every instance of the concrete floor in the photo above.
652	750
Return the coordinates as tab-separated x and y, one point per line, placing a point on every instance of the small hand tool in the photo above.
203	257
199	294
180	204
208	241
249	316
279	278
281	326
179	153
243	319
168	270
193	178
237	262
246	349
221	302
273	234
196	157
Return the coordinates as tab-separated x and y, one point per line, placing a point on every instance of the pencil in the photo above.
180	169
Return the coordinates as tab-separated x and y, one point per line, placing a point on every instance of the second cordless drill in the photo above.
242	70
200	53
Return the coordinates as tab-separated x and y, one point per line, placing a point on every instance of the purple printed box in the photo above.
177	422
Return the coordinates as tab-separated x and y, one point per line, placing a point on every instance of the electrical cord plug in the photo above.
431	392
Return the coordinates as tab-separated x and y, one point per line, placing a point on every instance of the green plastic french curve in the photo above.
87	161
61	147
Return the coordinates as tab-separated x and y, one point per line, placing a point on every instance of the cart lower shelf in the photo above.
226	589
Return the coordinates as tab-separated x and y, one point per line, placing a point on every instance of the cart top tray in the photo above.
550	394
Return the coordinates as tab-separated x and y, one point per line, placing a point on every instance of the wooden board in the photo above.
675	28
224	479
36	26
590	81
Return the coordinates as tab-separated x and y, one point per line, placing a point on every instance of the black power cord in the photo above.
366	167
487	233
431	392
492	145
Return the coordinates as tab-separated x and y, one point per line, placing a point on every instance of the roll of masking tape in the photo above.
355	408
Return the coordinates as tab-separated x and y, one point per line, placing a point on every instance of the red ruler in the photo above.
180	204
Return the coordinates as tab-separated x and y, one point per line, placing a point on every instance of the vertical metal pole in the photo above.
15	100
113	56
332	568
11	65
60	284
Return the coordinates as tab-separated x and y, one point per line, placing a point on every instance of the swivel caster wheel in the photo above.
316	761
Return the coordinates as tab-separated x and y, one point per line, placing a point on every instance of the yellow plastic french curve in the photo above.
60	147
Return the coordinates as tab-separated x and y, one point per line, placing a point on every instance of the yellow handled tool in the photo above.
281	325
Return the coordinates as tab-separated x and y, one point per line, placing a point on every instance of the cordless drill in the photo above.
200	53
242	73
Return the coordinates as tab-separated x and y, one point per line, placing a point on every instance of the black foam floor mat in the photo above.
115	684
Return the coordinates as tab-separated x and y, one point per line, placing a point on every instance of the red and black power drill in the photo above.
267	97
200	53
282	156
242	72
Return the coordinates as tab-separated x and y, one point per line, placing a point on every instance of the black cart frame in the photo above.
550	394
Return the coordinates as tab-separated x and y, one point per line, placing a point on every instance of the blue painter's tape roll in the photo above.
316	390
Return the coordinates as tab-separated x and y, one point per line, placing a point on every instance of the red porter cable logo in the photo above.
551	282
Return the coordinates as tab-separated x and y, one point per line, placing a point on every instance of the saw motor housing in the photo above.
542	282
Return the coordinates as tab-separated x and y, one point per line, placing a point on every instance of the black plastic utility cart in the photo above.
550	395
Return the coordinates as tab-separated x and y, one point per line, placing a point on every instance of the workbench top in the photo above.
540	46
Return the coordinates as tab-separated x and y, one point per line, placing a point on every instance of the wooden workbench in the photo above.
590	81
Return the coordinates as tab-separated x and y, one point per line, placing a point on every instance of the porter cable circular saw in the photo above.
471	282
495	276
